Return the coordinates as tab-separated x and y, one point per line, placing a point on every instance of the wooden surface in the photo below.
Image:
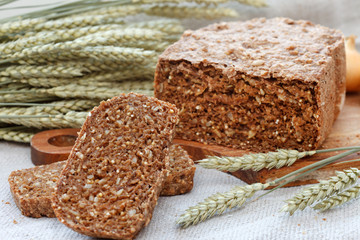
345	132
52	145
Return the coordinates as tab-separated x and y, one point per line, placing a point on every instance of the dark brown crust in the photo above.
256	85
38	203
78	205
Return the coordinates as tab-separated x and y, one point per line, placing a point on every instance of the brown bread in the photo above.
32	188
258	85
181	172
117	167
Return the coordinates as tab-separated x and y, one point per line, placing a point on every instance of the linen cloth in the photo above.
257	220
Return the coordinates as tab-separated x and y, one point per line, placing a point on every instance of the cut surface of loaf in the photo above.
117	167
258	85
32	188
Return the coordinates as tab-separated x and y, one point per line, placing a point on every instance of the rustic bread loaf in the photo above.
262	84
117	167
32	188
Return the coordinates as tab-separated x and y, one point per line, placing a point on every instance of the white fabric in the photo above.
257	220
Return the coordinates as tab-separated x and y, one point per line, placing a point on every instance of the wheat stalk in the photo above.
73	33
69	120
309	195
256	161
210	206
116	38
110	37
96	78
46	82
17	134
25	95
190	12
171	26
118	54
101	53
119	11
78	21
255	3
218	203
91	64
338	199
77	91
93	92
56	107
13	86
42	71
40	38
131	73
21	25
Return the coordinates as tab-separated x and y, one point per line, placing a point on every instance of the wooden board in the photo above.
345	132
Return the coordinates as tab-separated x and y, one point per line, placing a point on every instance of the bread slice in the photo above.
181	173
32	188
117	167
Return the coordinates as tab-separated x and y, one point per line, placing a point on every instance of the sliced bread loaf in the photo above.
32	188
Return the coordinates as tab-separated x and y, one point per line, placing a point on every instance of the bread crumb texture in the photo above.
117	167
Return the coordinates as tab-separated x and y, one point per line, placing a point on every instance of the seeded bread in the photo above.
32	188
257	85
181	174
117	167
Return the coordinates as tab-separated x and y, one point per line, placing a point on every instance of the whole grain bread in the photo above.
117	167
180	179
32	188
257	85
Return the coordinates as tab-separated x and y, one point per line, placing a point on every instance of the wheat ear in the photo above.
40	38
17	134
21	25
320	191
255	3
190	12
80	21
42	71
218	203
338	199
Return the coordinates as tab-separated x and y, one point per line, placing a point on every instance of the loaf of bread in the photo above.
258	85
32	188
117	167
